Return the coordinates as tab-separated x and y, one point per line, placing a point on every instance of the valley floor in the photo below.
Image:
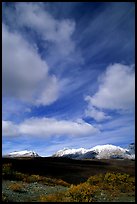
36	192
66	180
29	192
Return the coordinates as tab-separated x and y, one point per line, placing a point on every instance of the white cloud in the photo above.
21	62
116	90
56	31
9	128
46	127
96	114
25	75
51	90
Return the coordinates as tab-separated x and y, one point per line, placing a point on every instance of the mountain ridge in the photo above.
23	153
107	151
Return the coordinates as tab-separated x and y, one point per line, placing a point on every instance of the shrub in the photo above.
18	176
95	180
54	181
43	179
76	193
60	182
83	193
17	187
32	178
120	182
7	170
56	197
9	173
112	184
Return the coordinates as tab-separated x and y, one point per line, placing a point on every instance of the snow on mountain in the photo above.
24	153
108	151
67	151
131	148
100	152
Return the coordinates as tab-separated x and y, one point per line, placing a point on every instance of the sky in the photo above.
68	75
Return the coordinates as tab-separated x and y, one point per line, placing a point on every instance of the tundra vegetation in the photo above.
109	186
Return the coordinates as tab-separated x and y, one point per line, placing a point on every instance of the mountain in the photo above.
24	153
107	151
131	148
71	153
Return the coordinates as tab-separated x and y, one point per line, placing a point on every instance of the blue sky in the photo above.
68	77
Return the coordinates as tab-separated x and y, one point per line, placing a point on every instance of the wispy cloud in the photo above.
108	21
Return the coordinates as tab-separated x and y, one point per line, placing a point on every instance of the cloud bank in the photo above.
46	127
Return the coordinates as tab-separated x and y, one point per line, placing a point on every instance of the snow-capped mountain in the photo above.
70	152
111	151
131	148
24	153
99	152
